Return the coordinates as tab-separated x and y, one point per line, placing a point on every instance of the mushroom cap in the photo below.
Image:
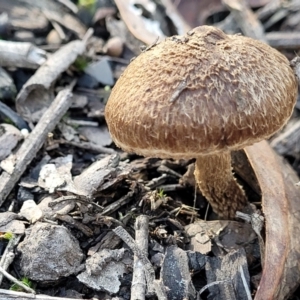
201	93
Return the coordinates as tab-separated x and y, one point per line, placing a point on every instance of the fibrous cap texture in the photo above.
201	93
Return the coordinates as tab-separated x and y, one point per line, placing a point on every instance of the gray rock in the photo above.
49	252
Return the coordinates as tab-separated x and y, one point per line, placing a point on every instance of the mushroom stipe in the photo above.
236	92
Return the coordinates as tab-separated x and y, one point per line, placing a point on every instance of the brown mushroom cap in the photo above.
201	93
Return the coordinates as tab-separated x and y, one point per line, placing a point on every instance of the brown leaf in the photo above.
280	200
136	23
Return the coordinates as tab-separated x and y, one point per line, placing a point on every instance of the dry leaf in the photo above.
280	200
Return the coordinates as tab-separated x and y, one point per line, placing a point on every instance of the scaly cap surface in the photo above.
201	93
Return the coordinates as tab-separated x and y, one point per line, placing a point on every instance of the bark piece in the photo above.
50	179
103	270
35	96
57	12
88	182
21	55
176	276
230	235
197	12
287	142
109	241
160	290
107	281
100	259
228	277
197	261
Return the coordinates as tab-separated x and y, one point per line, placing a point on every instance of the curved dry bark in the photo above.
280	200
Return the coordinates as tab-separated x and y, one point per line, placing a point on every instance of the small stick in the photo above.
246	19
148	269
138	286
75	198
78	225
160	290
12	295
89	146
8	255
246	287
33	143
16	281
117	204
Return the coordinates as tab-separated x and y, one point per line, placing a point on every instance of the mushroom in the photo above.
203	95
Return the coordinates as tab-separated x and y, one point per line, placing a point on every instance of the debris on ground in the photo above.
80	218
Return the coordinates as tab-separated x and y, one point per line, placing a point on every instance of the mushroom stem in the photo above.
214	176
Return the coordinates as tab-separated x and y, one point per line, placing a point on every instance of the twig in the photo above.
23	55
78	225
219	282
89	146
171	187
75	198
16	281
38	87
8	255
27	152
117	204
153	183
246	287
172	12
138	286
160	290
257	223
284	40
246	19
149	271
12	295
